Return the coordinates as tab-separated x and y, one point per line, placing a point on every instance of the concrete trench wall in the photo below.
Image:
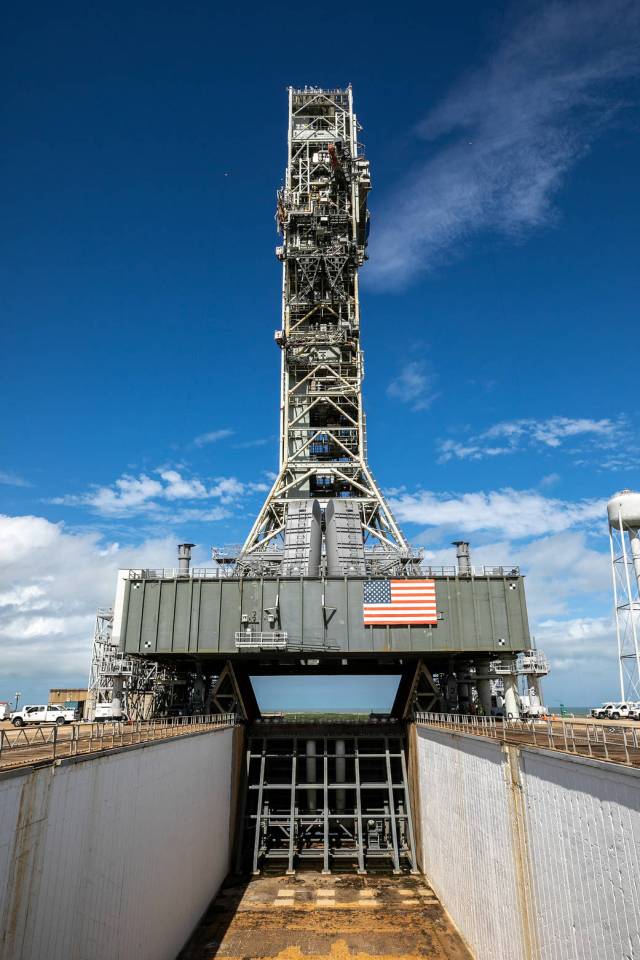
534	854
115	857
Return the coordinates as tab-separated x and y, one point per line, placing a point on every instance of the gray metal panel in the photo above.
168	638
474	612
312	613
251	605
483	613
360	640
192	602
132	616
343	537
335	592
499	607
151	607
302	539
517	614
180	614
228	615
291	608
270	602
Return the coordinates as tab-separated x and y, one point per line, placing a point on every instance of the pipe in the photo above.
311	776
464	699
483	684
511	709
341	775
463	556
184	557
634	539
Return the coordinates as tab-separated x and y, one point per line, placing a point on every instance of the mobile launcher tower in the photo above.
326	582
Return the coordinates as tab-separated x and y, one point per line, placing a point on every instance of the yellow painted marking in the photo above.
339	951
286	893
410	901
368	893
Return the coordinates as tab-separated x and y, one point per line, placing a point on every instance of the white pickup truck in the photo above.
617	710
42	714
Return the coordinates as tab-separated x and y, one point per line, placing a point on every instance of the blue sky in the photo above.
143	145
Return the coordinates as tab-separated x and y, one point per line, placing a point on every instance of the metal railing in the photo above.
261	640
229	571
619	744
48	742
483	571
175	573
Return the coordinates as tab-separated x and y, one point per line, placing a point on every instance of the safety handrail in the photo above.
98	736
619	744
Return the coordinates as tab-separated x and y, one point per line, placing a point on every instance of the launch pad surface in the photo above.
311	917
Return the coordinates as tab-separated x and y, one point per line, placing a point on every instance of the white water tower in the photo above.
623	511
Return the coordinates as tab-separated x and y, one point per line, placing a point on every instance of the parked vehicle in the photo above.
600	713
5	710
531	708
42	714
625	710
617	710
110	711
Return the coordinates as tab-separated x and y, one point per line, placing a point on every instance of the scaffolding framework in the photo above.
626	592
338	799
134	681
323	217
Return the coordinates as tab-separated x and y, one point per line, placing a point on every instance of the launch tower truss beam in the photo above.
323	217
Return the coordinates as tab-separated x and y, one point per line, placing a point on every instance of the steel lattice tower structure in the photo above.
324	488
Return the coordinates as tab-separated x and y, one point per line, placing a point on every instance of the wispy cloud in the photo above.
414	386
151	495
13	480
516	514
259	442
212	437
498	148
509	436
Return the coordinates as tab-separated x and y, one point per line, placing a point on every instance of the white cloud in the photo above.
471	450
550	480
497	149
413	386
180	488
13	480
212	437
527	432
579	644
25	598
568	593
259	442
130	496
516	514
53	581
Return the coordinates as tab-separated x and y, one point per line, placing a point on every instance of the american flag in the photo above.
399	601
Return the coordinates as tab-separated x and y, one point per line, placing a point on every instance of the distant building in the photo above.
75	699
